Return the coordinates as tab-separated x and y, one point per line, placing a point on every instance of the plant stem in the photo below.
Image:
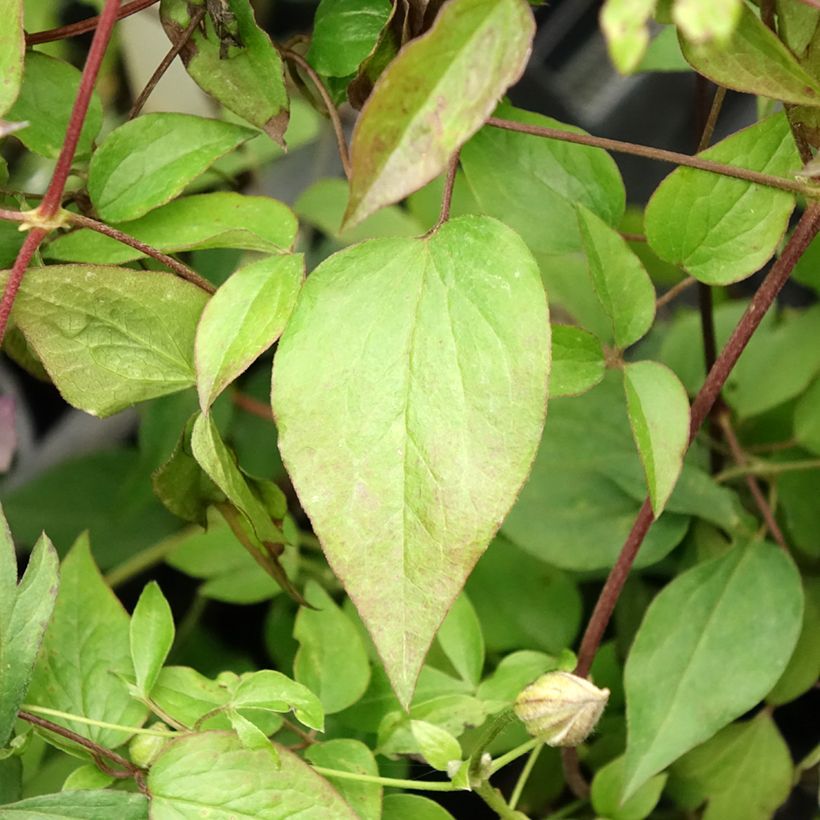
251	405
196	19
754	487
767	468
659	154
566	811
572	772
711	120
447	194
674	291
514	754
84	26
494	799
763	299
393	782
525	775
341	142
101	724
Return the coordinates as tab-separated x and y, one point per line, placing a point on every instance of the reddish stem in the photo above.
84	26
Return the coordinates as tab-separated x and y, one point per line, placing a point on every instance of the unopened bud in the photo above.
560	708
145	749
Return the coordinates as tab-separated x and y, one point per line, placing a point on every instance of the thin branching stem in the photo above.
84	26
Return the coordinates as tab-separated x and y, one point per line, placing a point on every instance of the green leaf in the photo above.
12	52
271	691
213	773
442	340
664	54
249	80
607	787
110	337
331	660
151	636
745	771
619	279
437	746
251	736
523	602
625	26
413	807
797	492
659	416
345	32
796	24
187	695
512	674
148	161
577	361
704	21
743	614
722	229
807	418
83	805
433	97
222	219
87	777
461	640
351	756
753	60
24	614
45	101
536	196
85	651
243	319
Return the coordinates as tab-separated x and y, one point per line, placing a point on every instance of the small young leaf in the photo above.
704	21
271	691
110	337
408	420
353	756
99	804
721	229
151	634
243	319
745	771
12	51
345	32
659	416
461	640
607	788
45	101
413	807
187	695
85	651
619	279
437	746
147	161
577	361
215	773
222	219
251	736
625	26
687	677
435	95
87	777
331	660
248	79
753	60
24	614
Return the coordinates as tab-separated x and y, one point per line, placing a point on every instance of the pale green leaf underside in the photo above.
110	337
687	677
434	96
658	410
409	390
84	805
721	229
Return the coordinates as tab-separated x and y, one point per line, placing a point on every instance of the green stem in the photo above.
566	811
767	468
394	782
101	724
525	775
493	798
513	754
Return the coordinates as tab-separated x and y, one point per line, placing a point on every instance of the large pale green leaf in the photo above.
753	60
722	229
435	95
98	804
742	613
394	388
331	660
659	416
147	161
12	51
577	361
351	756
223	219
245	75
212	774
24	614
703	21
110	337
345	32
607	788
619	279
625	25
151	635
243	319
745	771
46	97
85	651
536	196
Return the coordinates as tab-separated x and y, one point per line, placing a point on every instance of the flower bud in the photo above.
561	708
145	749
